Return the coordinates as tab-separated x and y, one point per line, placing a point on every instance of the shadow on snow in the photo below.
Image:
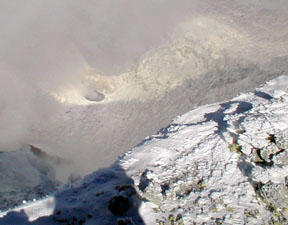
105	197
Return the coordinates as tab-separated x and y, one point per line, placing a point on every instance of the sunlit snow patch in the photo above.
34	210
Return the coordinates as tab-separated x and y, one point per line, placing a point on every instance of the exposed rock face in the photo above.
118	205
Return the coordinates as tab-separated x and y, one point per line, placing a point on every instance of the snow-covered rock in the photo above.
224	163
24	176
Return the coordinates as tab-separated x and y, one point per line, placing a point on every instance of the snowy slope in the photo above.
25	175
223	163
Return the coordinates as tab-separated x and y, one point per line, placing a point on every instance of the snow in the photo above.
203	168
24	176
34	210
